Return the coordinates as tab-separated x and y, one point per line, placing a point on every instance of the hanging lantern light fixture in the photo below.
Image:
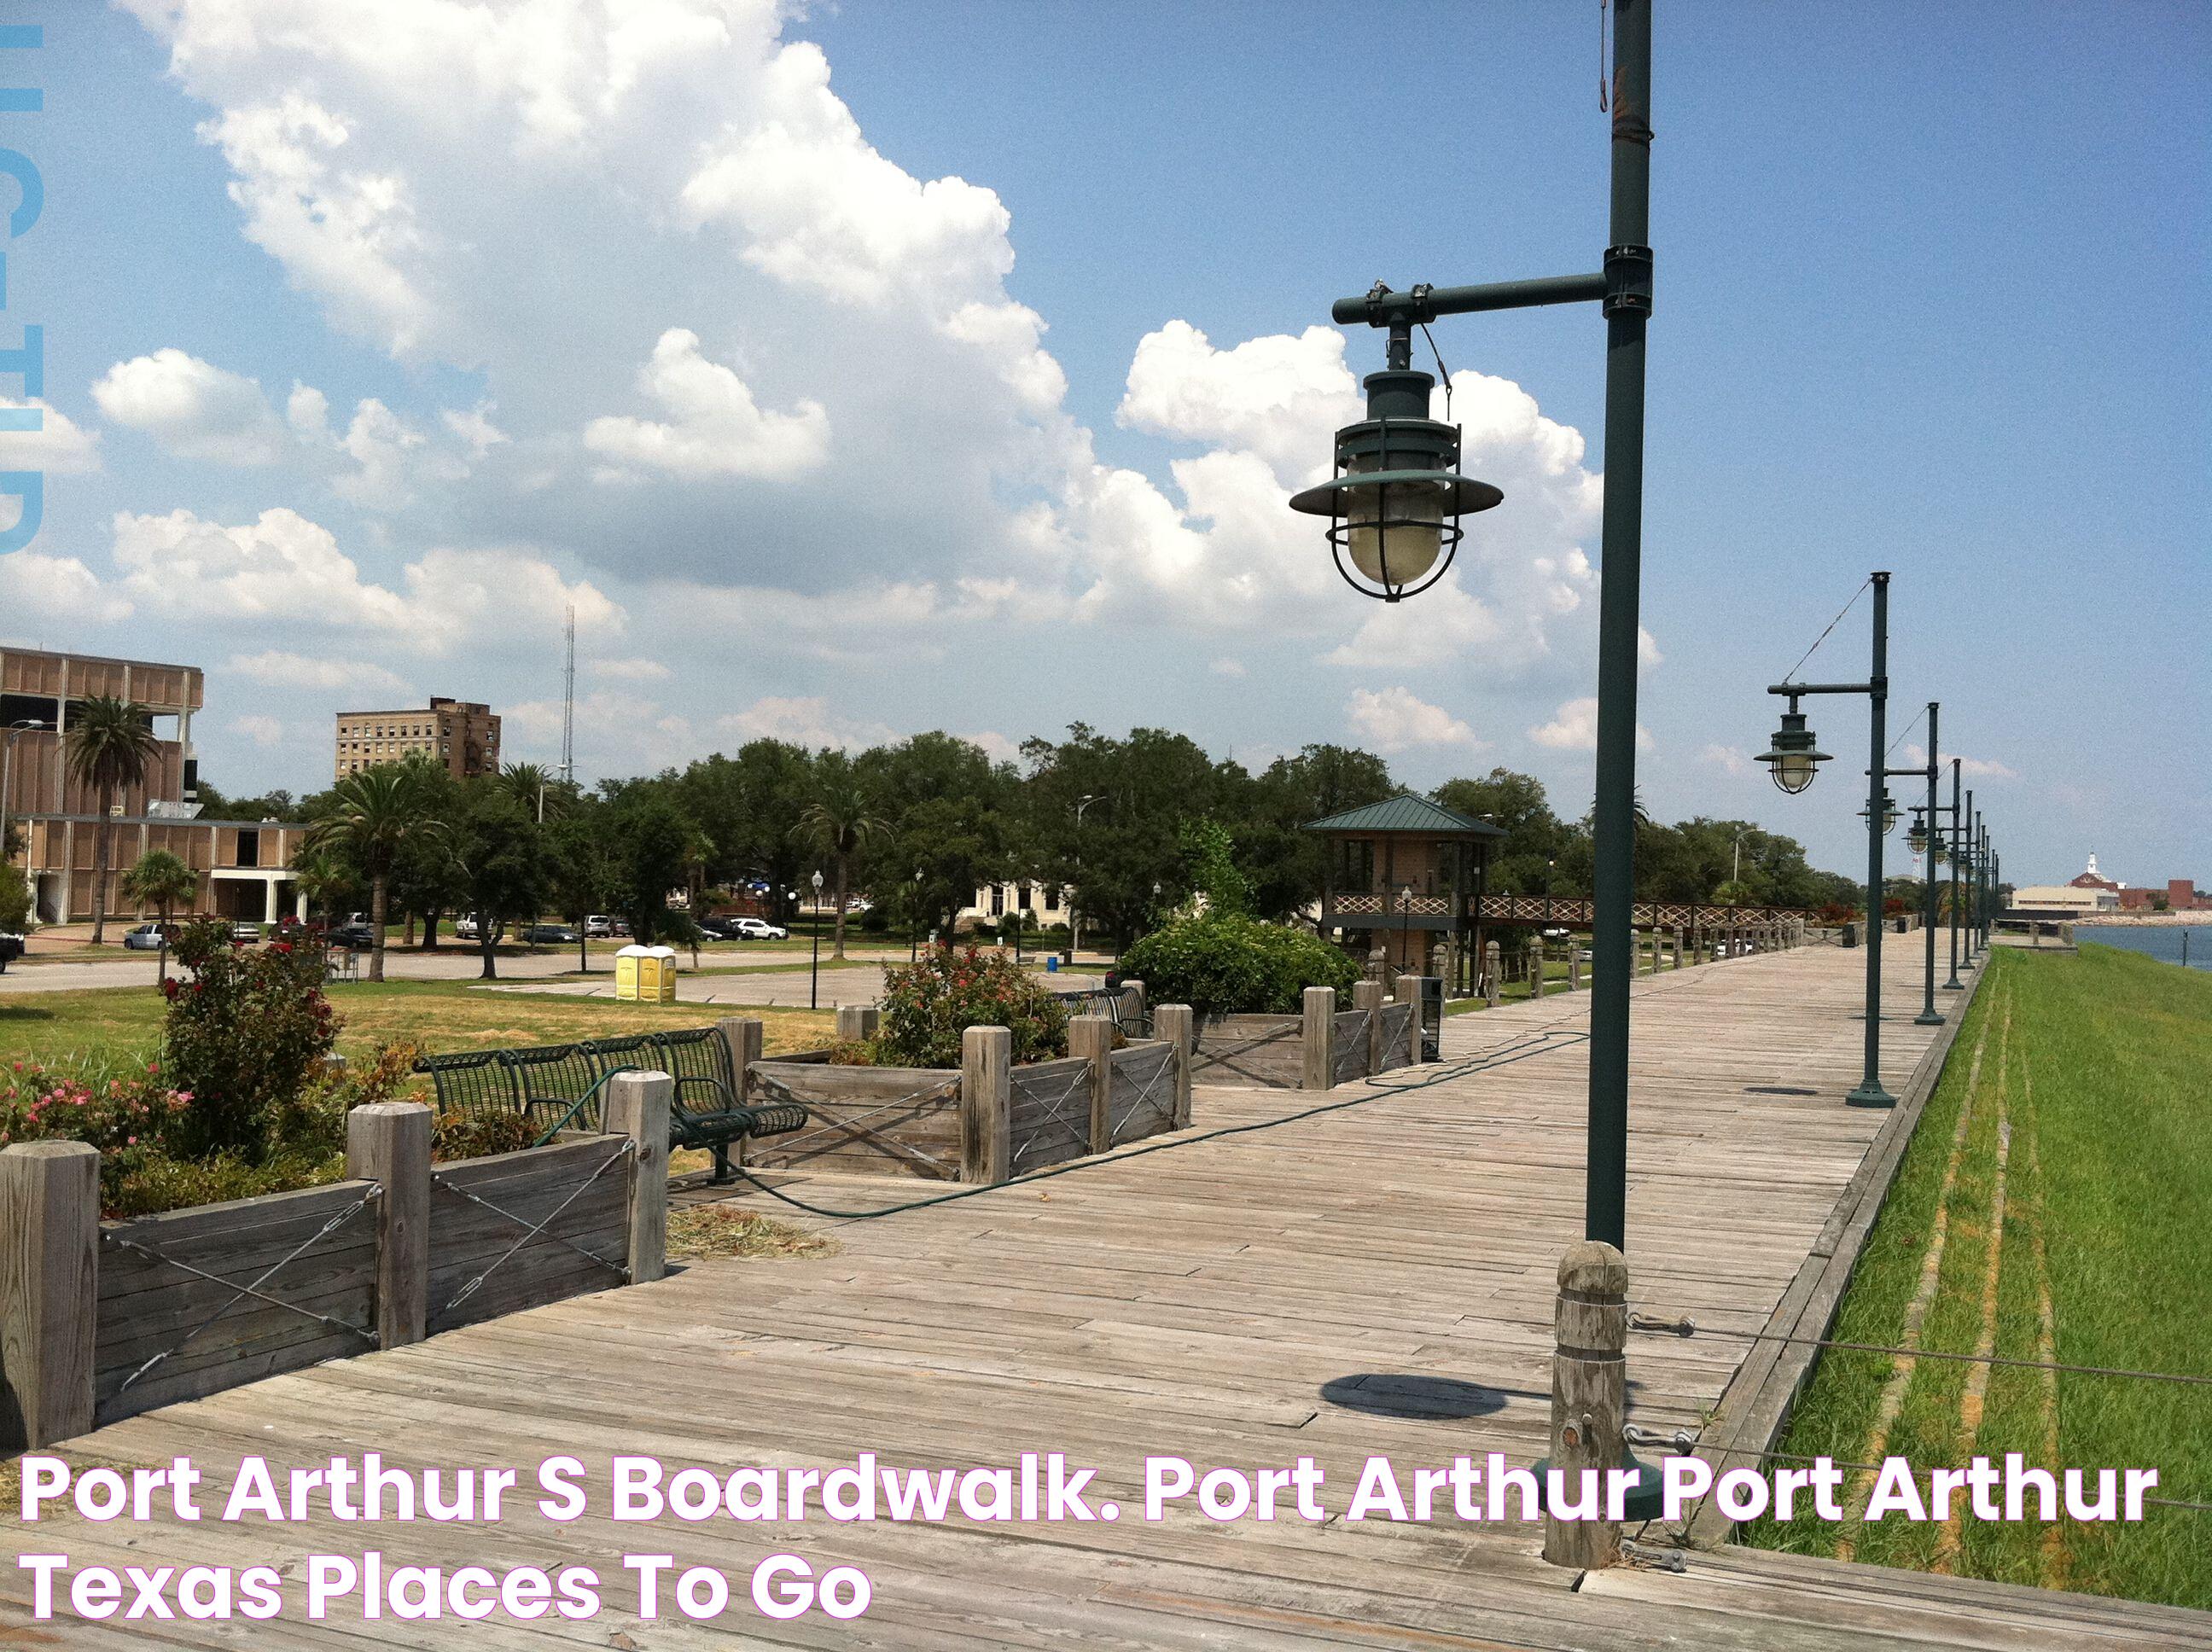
1396	501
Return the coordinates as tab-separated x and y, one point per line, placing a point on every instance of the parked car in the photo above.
11	948
549	935
468	929
757	929
598	926
719	928
240	930
151	938
359	936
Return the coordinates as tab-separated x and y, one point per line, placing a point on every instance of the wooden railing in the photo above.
1566	911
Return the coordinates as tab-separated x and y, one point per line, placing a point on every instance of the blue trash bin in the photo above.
1052	964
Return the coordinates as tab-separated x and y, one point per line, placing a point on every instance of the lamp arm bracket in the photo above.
1380	307
1928	773
1793	690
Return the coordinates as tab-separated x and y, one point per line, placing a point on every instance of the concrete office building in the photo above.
244	865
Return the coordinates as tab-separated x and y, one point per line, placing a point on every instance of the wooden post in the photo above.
1091	1037
389	1142
1368	995
1589	1394
1174	1024
987	1103
1493	966
1536	962
1574	966
1133	1005
1674	944
857	1023
637	1106
1409	992
49	1278
741	1036
1319	1009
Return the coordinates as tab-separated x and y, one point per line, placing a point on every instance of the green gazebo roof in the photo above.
1407	813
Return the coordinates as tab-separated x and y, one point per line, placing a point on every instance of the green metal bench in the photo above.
564	1082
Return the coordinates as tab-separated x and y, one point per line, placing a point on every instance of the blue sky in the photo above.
1930	294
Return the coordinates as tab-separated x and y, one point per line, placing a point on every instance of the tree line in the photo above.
918	825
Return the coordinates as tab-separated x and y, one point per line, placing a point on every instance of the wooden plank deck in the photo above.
1375	1279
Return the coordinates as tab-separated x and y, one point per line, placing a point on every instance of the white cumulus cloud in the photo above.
194	409
715	426
1396	719
1574	728
59	446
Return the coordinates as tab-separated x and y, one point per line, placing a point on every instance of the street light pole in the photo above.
1792	757
1970	828
814	972
1956	840
914	926
1075	890
1928	1016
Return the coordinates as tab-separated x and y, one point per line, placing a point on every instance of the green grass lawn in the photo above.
2091	1113
121	1022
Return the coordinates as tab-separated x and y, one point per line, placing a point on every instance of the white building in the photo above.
1045	903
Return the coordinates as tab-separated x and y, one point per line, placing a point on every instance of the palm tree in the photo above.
369	817
322	878
540	793
111	743
160	880
839	822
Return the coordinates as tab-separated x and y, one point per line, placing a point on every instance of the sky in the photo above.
860	369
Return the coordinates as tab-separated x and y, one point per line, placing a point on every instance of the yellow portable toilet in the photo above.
646	974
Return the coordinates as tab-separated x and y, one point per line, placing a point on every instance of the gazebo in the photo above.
1406	872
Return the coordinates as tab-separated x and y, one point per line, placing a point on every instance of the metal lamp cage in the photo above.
1395	460
1792	755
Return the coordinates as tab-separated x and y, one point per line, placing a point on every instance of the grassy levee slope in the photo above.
2056	1203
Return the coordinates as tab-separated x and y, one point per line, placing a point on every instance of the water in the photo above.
2159	941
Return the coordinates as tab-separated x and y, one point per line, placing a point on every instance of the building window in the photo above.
998	899
1052	897
249	849
1028	896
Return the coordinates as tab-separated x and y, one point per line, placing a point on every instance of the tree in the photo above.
1522	862
371	818
14	900
542	795
496	851
325	879
645	839
162	881
839	821
580	871
110	745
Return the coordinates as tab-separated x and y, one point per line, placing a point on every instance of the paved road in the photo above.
856	984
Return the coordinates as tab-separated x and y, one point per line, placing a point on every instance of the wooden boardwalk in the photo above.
1373	1278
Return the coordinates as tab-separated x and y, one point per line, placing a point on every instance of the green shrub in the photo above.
246	1032
929	1004
478	1135
1223	964
142	1184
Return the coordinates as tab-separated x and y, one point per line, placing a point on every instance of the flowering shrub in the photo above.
245	1033
1223	964
129	1116
927	1005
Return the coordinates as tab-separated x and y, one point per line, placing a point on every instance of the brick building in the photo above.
461	735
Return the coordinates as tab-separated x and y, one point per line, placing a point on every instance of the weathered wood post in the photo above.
1493	966
741	1037
1409	993
389	1142
1175	1025
1368	995
857	1023
637	1106
49	1277
987	1103
1574	966
1319	1012
1675	945
1091	1037
1537	960
1590	1396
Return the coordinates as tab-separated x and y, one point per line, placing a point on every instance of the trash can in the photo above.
646	974
1052	964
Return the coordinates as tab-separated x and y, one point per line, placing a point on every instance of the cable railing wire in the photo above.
1791	673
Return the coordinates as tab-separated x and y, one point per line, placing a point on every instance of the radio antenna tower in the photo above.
568	707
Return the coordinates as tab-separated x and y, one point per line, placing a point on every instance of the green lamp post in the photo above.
1394	504
1792	761
1951	853
1919	841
